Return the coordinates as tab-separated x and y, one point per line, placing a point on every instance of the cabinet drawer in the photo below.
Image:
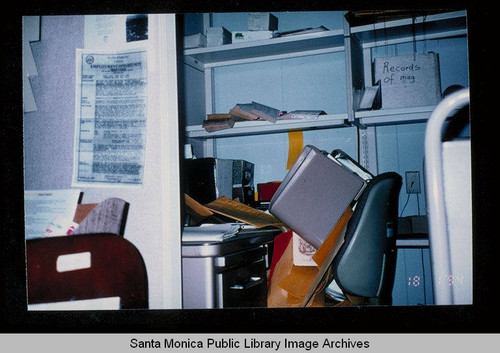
244	286
240	258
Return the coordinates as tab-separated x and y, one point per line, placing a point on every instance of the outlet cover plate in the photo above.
412	182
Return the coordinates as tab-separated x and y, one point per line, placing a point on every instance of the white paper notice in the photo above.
42	207
115	31
111	116
104	30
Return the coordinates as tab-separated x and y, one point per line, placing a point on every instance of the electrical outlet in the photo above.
413	182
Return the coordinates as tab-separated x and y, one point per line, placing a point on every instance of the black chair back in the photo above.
366	262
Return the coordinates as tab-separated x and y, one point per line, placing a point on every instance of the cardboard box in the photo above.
195	41
261	21
241	36
218	36
408	81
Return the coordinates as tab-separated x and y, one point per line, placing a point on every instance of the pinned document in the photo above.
110	117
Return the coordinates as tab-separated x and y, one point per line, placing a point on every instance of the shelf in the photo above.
263	50
244	128
435	26
449	24
412	243
393	116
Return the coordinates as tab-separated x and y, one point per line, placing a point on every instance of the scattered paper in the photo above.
243	213
244	111
218	124
265	112
210	232
302	114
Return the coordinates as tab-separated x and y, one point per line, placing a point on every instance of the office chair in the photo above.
365	265
87	266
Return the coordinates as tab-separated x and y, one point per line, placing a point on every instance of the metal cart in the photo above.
449	205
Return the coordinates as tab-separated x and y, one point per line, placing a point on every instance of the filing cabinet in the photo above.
227	274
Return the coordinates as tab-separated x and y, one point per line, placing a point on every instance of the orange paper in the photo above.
243	213
295	146
302	281
280	298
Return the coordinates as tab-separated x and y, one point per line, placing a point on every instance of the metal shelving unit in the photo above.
245	128
434	26
268	49
356	42
364	38
394	116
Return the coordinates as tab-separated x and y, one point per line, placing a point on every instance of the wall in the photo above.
48	132
48	148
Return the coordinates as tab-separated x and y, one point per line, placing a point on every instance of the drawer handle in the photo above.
253	281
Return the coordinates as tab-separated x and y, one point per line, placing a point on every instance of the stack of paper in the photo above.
302	114
256	111
240	112
210	232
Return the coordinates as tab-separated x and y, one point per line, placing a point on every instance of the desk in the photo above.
229	273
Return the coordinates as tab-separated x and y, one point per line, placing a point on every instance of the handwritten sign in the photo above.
408	81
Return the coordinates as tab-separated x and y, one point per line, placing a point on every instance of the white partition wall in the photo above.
153	223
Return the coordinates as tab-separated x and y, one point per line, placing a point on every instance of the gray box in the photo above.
315	194
261	21
218	36
195	41
408	81
241	36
